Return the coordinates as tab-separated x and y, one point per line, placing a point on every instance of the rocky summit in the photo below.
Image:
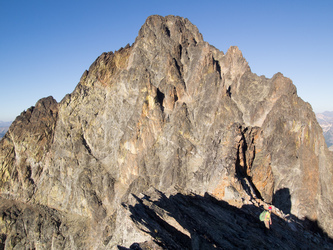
167	144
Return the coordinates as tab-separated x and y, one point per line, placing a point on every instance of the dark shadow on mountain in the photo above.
314	227
310	226
203	222
2	241
281	200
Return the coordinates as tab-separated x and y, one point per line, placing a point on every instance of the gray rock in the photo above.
175	114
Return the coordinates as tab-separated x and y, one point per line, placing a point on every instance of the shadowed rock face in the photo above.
202	222
170	112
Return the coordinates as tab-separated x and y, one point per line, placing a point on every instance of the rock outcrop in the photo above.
174	114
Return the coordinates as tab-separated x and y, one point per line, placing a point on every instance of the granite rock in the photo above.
174	114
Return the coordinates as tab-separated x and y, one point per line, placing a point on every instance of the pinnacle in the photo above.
172	27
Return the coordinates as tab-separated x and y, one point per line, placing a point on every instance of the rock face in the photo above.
174	114
24	147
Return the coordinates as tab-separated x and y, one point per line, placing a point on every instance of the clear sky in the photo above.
46	45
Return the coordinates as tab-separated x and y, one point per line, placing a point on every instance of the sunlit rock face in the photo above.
169	113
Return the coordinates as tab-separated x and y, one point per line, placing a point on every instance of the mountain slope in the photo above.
180	221
175	114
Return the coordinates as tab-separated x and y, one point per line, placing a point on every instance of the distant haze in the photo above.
325	120
4	126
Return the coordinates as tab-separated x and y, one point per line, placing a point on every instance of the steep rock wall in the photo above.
174	113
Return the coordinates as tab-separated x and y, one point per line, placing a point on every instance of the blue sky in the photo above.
46	45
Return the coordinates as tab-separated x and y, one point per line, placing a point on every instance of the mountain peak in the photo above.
172	27
153	131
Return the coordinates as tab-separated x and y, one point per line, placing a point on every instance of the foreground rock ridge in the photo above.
167	143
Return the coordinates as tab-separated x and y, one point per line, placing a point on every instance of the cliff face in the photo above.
170	113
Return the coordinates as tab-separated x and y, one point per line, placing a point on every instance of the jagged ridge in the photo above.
172	113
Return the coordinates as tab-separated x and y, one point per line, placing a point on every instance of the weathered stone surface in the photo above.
171	113
202	222
24	147
24	226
